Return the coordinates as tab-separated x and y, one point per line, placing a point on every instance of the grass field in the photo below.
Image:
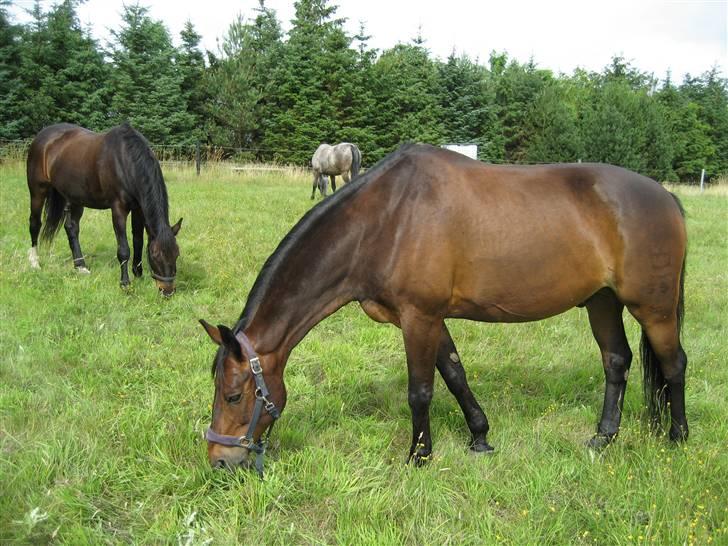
104	395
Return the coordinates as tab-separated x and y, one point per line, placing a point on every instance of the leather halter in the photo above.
160	278
261	402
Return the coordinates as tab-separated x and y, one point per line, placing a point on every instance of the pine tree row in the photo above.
276	96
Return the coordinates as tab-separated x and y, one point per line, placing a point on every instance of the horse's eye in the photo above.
234	399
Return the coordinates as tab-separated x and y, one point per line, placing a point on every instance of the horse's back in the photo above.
66	157
335	159
521	242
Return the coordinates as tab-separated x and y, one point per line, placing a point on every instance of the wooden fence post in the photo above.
702	180
197	157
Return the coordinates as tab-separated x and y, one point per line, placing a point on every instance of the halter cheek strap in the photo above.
262	402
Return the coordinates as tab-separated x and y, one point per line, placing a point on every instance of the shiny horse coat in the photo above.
70	168
428	234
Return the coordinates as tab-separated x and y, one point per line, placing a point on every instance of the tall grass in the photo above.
104	395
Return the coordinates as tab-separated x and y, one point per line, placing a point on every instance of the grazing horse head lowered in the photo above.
428	235
70	168
343	159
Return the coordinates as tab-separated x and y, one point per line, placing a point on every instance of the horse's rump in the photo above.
333	160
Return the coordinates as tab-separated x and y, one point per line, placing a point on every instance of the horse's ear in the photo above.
230	341
213	332
175	228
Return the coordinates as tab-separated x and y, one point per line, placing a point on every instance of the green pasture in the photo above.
105	394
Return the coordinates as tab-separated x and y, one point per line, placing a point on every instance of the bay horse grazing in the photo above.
429	234
343	159
70	168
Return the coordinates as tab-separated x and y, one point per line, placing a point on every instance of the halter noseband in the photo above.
160	278
261	402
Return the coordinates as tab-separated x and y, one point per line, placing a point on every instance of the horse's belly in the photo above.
514	309
76	196
519	292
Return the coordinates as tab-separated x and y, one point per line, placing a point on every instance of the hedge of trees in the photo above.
277	95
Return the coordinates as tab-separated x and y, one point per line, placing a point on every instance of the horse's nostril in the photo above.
220	463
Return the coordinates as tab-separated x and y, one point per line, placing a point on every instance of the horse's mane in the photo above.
324	209
145	177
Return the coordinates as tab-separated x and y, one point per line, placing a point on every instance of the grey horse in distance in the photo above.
343	159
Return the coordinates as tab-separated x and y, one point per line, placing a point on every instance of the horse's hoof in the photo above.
419	460
481	447
678	435
599	442
83	270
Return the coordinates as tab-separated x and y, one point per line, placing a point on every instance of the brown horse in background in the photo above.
428	234
343	159
70	168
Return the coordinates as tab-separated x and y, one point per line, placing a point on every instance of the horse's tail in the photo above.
656	389
355	160
54	213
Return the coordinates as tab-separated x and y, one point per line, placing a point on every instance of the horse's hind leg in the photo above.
451	370
665	363
73	219
605	318
38	193
137	231
333	182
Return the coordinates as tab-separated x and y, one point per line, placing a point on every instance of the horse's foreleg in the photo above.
605	318
73	220
333	182
137	232
118	215
451	370
421	340
316	184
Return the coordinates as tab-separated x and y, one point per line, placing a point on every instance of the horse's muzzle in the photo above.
224	458
166	288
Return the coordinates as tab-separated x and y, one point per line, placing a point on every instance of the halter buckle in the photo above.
255	366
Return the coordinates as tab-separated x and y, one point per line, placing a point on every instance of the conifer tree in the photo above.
407	98
311	84
516	88
146	83
552	127
710	93
11	86
242	97
689	135
62	72
190	63
469	113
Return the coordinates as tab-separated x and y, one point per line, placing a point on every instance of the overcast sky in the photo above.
655	35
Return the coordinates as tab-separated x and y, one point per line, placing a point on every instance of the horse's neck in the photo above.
156	218
306	289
